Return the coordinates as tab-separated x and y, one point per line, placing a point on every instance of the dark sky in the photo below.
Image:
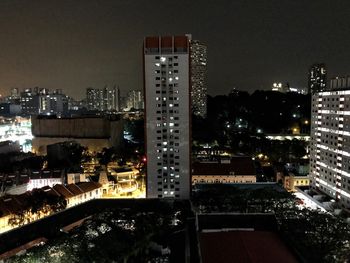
73	44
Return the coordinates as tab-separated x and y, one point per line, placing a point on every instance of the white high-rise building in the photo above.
167	116
330	144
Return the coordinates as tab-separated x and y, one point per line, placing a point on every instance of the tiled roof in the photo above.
62	190
11	204
89	186
71	190
74	189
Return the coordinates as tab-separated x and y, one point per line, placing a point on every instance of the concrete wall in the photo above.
93	133
72	127
39	144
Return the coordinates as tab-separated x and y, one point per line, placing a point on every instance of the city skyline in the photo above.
74	45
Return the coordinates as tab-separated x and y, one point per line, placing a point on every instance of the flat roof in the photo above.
244	247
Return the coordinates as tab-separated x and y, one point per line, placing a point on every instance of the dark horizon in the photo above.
74	45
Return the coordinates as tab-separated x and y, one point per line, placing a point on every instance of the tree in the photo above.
105	156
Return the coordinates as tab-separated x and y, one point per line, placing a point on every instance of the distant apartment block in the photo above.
317	78
338	83
198	55
106	99
135	100
29	102
167	116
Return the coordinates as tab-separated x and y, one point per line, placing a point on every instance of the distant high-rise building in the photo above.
330	145
29	102
317	78
167	116
115	98
198	53
54	103
94	99
278	86
103	99
15	93
339	83
135	100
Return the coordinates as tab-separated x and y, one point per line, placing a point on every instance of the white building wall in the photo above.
330	145
167	124
82	198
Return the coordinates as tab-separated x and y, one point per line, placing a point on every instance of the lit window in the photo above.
177	78
157	64
162	59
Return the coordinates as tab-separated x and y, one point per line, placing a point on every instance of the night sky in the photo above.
74	44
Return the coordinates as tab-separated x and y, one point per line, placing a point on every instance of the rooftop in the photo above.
244	247
236	166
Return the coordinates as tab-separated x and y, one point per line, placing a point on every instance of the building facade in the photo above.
317	78
198	53
106	99
135	100
236	170
330	145
93	132
167	116
29	102
339	83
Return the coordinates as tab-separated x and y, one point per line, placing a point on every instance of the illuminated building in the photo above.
135	100
278	86
94	99
330	144
235	170
29	102
198	53
74	194
103	99
14	93
167	116
339	83
55	103
317	78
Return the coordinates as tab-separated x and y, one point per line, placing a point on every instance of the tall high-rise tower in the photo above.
167	116
317	78
198	77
